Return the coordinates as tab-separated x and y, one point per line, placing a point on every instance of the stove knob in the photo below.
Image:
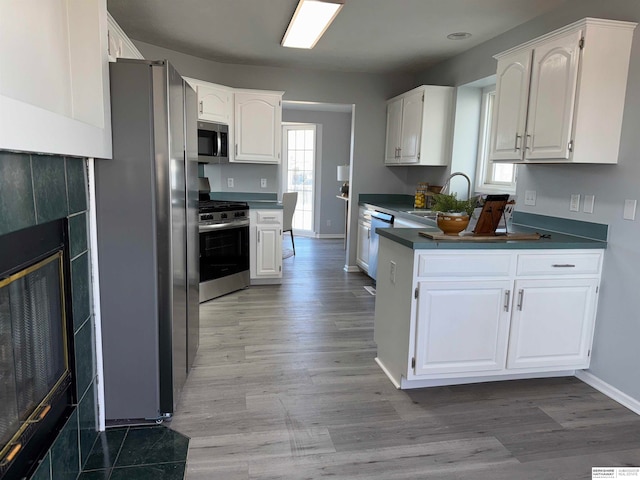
223	215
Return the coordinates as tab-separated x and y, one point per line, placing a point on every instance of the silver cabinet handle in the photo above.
528	140
507	295
201	107
258	236
563	265
236	149
520	298
516	147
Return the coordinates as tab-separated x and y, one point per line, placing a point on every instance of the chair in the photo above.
289	201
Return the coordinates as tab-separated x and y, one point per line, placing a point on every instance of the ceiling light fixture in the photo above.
459	36
310	20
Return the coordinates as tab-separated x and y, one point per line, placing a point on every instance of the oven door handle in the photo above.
222	226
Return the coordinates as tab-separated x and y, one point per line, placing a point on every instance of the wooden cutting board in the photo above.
481	238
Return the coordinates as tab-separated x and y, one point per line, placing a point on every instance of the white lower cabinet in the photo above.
490	315
265	243
463	326
552	323
362	250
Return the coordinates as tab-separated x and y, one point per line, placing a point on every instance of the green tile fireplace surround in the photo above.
36	189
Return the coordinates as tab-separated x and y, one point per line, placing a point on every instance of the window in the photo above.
299	170
491	177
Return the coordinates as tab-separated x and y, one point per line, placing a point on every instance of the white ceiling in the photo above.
367	35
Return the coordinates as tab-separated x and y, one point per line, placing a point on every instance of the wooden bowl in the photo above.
452	223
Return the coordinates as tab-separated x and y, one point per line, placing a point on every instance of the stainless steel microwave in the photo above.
213	142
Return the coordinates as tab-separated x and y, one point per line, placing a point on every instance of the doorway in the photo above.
299	163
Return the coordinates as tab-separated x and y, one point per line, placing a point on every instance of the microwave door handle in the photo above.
219	139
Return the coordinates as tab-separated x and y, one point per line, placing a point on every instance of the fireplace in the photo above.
36	347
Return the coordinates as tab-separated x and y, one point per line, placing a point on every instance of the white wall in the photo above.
616	356
367	91
246	177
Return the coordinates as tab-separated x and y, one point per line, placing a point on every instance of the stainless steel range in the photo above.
224	247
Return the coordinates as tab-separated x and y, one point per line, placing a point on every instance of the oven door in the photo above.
224	250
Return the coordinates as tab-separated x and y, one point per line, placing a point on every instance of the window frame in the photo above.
484	166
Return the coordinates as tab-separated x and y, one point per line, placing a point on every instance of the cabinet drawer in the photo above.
268	216
559	264
464	265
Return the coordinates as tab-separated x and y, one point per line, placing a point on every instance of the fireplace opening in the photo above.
36	345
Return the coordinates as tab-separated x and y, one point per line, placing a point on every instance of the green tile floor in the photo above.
137	453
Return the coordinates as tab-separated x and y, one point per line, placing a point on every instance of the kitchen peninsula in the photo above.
452	312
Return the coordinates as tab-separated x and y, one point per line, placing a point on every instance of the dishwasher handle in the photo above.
383	217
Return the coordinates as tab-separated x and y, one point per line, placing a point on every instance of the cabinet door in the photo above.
258	119
214	104
554	75
394	125
269	251
462	326
552	324
362	254
510	107
411	129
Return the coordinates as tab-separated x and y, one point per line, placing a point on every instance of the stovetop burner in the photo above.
221	211
207	206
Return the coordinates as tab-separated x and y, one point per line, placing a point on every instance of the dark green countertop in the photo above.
563	233
256	201
409	237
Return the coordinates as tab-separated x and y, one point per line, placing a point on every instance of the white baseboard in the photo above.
351	268
609	390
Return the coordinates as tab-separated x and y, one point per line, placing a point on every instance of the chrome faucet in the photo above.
455	174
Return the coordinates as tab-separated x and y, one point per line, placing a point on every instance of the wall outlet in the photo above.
574	205
392	272
328	223
230	182
589	200
629	209
263	183
530	197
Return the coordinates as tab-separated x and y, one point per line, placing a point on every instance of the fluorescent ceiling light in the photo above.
310	20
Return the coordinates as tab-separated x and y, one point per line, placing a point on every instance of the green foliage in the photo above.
449	203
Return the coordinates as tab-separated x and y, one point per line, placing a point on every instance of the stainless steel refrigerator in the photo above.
148	250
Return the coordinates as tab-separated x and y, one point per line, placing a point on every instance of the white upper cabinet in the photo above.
119	45
215	102
394	127
258	119
560	98
510	107
419	127
54	80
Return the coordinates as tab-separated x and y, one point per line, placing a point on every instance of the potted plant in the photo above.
452	214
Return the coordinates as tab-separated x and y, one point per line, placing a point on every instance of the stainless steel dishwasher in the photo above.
378	220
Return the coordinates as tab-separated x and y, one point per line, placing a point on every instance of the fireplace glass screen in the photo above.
33	356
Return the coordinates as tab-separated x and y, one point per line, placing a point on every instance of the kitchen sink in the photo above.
422	213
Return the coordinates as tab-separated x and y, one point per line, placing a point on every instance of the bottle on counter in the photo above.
420	198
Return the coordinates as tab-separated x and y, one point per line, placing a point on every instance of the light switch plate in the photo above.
530	197
230	182
629	209
574	205
263	183
589	200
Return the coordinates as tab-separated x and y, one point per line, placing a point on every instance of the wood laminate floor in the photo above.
285	387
